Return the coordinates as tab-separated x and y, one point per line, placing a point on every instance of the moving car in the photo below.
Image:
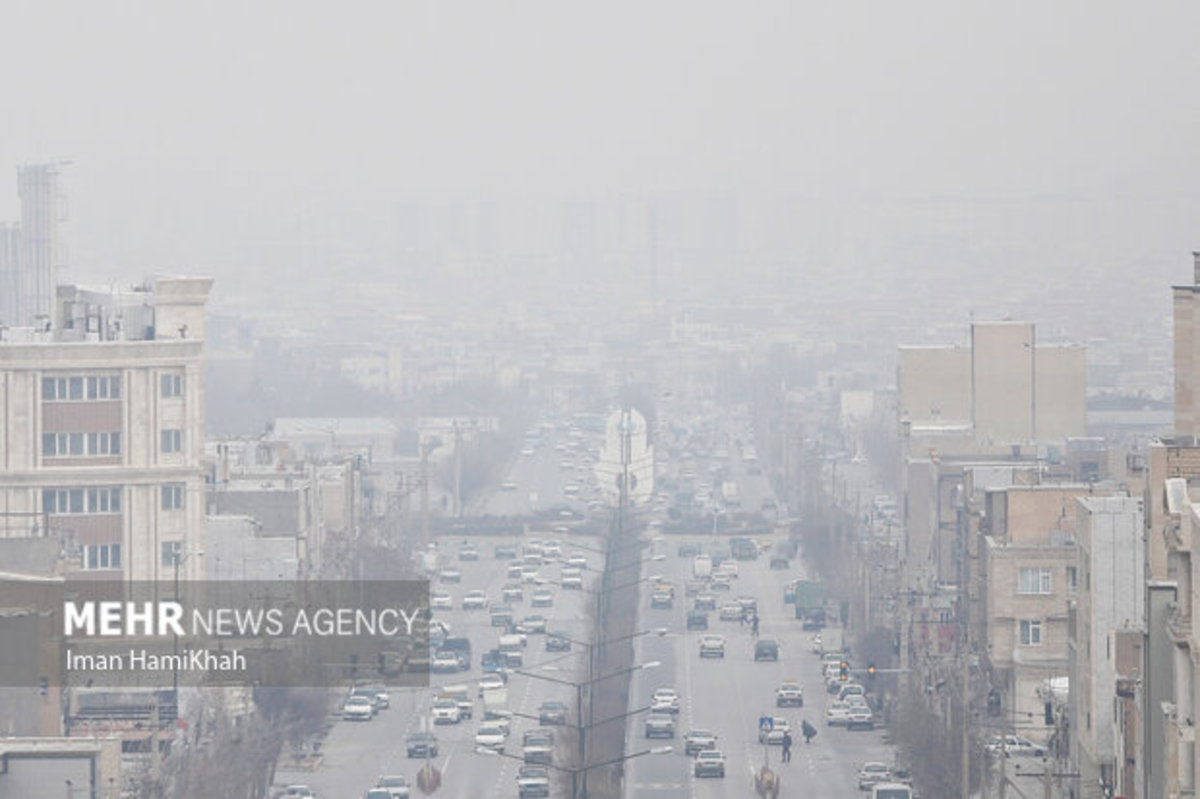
661	600
358	708
512	592
502	616
705	600
538	746
298	792
468	552
577	562
396	786
445	711
660	725
450	576
505	551
535	623
766	649
664	700
712	646
542	598
552	714
709	763
699	740
779	562
730	611
774	735
556	642
441	600
533	781
873	773
474	600
891	790
490	682
789	694
572	579
697	620
377	793
490	736
422	744
445	661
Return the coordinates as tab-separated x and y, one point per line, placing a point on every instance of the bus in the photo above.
891	790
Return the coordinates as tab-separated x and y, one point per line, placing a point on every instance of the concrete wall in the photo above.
934	384
1002	380
1060	393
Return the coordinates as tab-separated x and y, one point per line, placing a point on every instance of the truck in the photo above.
495	706
807	595
702	566
743	548
729	493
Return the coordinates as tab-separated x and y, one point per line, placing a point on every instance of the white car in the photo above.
664	700
441	600
709	763
450	576
490	682
445	711
1014	746
577	562
358	708
712	646
490	736
542	598
872	773
397	786
837	714
474	600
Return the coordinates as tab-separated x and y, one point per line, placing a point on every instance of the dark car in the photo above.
556	642
779	562
688	550
766	649
552	713
697	620
422	744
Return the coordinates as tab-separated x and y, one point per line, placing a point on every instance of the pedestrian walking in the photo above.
809	731
787	747
754	625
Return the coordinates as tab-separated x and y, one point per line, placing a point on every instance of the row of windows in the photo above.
1037	581
61	445
105	499
101	387
78	389
64	445
102	556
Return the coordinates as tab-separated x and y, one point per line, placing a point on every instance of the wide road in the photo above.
356	754
728	696
541	476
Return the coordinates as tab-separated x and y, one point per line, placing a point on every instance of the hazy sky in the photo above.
196	128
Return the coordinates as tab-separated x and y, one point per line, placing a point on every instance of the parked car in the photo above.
709	763
712	646
1015	746
837	714
873	773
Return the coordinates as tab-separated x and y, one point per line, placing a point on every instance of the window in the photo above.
99	387
102	556
1031	632
170	551
172	496
172	385
1072	579
172	441
1033	581
104	499
95	444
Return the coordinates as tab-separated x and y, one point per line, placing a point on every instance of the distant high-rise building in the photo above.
29	250
1186	300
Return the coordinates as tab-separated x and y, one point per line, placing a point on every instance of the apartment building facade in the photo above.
102	430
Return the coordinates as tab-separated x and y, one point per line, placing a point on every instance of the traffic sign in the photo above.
766	723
